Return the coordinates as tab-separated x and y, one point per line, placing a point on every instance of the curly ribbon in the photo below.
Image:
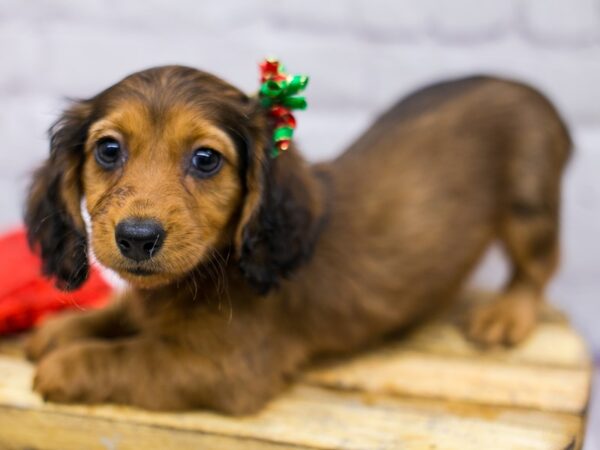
278	93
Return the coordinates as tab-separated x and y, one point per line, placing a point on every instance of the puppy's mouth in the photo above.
144	277
141	272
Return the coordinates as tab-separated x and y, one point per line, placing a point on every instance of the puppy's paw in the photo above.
55	332
68	375
508	320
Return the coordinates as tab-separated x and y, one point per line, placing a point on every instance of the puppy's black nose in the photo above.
139	239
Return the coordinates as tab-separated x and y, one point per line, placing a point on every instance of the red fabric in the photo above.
26	297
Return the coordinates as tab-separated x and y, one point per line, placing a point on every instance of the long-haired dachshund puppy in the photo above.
242	267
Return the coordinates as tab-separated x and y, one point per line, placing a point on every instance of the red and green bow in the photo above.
278	93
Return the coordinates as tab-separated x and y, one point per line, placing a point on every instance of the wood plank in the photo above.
549	371
552	344
417	374
26	429
304	417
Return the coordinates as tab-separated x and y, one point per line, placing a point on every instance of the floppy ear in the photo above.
53	219
281	216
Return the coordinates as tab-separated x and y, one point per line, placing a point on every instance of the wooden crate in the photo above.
429	390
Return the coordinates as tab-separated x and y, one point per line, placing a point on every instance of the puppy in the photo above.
243	267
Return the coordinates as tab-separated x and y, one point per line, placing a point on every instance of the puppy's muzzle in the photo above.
139	239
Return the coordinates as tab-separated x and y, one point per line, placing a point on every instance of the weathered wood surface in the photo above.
428	390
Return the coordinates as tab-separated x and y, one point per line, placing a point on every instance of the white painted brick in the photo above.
561	21
136	14
337	65
24	120
22	59
572	79
592	436
23	124
460	20
324	134
397	69
399	19
83	60
568	77
581	208
310	15
11	201
50	10
188	14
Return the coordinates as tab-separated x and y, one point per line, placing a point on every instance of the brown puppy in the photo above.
243	267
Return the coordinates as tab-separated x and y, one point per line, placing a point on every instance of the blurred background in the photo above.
362	55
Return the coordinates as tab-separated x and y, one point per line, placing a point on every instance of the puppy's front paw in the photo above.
55	332
69	375
508	320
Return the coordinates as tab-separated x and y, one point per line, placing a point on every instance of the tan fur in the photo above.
380	237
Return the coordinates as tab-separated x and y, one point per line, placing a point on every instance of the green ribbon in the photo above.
283	133
283	92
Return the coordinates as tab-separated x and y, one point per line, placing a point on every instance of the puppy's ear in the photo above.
53	219
281	216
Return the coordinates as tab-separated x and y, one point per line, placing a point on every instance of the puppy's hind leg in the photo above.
531	242
529	230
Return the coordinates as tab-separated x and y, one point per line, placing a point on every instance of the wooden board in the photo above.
429	390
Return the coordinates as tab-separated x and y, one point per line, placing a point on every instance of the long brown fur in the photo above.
271	262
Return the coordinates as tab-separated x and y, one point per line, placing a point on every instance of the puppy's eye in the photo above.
206	162
108	153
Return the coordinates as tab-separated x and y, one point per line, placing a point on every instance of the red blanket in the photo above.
26	297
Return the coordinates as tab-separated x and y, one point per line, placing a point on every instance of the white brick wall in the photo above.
361	54
562	23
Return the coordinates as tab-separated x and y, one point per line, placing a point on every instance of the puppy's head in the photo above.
172	163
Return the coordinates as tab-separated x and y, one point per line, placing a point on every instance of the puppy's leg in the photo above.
530	235
529	225
165	373
63	329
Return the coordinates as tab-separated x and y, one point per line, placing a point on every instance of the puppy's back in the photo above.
429	185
